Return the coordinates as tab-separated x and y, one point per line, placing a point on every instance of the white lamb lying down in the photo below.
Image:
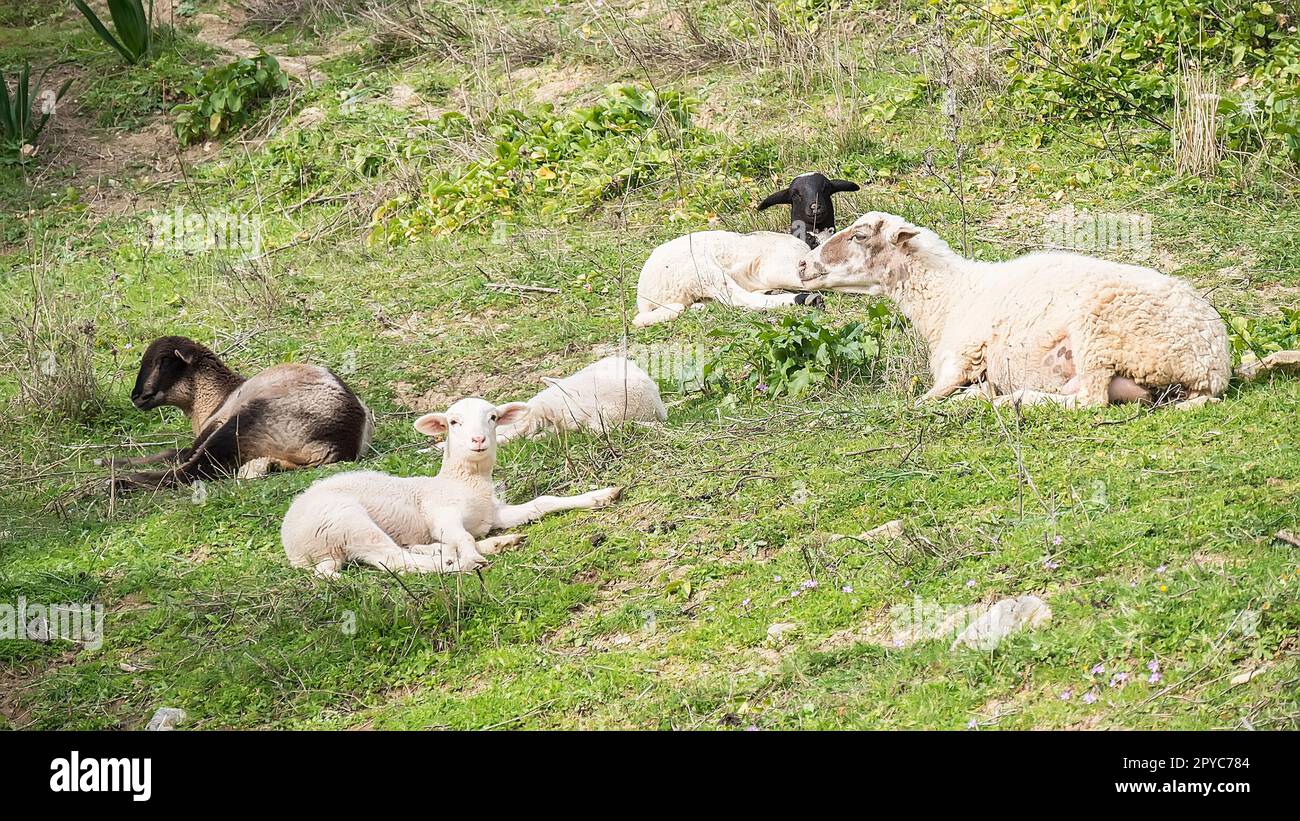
603	395
421	524
734	269
1047	327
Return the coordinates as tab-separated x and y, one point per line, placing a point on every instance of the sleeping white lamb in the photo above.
603	395
734	269
1046	327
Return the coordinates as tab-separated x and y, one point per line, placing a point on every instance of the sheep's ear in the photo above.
843	186
187	358
512	412
905	233
781	197
431	424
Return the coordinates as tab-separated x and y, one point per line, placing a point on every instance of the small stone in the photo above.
166	718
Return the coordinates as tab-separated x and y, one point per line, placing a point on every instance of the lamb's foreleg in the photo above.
514	515
448	528
653	316
169	455
740	298
952	372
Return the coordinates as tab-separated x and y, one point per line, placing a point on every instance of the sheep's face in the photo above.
471	428
166	374
868	257
811	209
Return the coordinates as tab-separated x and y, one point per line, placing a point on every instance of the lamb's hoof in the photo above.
465	564
810	300
606	496
504	541
1196	402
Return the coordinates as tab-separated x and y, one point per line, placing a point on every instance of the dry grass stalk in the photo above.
1196	144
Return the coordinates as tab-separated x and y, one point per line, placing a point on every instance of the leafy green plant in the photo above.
795	354
225	97
1081	59
134	26
22	118
1264	335
558	165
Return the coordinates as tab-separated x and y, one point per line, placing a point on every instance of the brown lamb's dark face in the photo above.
166	373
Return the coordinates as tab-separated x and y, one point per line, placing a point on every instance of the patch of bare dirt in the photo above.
17	681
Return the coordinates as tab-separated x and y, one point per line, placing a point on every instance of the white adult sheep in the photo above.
734	269
603	395
421	524
1046	327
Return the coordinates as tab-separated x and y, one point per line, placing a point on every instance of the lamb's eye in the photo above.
455	422
859	237
493	417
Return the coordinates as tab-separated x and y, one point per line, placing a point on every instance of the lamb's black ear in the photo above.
841	186
781	197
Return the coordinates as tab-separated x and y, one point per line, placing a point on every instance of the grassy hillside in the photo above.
416	163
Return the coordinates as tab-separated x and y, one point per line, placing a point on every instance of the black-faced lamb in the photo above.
734	269
1047	327
421	524
812	212
288	416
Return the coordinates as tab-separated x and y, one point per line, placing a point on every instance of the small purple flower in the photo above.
1154	678
761	387
776	578
972	724
745	603
1051	565
907	583
795	593
1090	697
1098	669
1118	679
1153	666
1056	540
898	642
809	584
1160	571
1067	694
751	729
970	582
848	588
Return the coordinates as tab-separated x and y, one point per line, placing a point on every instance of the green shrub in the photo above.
1083	59
795	354
22	118
134	26
225	97
1264	335
557	165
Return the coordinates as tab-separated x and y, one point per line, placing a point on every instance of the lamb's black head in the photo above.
167	372
811	209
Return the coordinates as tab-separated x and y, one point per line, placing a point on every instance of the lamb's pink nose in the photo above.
803	267
478	440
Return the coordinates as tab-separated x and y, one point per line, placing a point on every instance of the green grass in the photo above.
653	613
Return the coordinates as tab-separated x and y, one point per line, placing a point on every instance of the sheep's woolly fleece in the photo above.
721	266
1076	328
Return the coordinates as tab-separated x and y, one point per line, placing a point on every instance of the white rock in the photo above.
166	718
